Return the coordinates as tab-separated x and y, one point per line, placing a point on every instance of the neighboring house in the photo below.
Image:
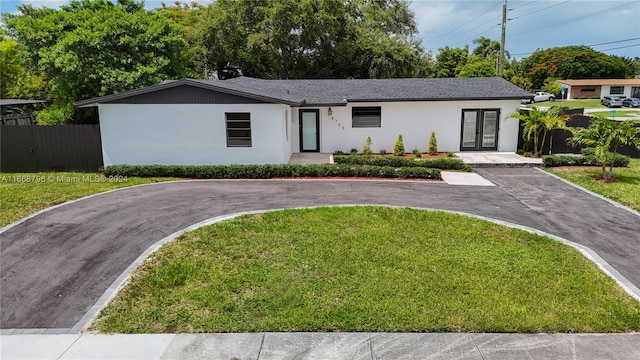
597	88
253	121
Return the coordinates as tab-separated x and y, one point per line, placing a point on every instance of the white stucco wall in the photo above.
415	121
606	91
190	134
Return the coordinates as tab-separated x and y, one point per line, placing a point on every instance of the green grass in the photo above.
619	113
367	269
25	194
626	191
573	104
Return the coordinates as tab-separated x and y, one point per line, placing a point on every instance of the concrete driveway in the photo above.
56	265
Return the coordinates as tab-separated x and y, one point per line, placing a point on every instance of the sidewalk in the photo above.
322	346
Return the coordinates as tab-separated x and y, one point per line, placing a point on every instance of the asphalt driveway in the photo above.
55	266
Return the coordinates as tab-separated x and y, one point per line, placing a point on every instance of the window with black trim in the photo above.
366	116
588	89
238	129
616	90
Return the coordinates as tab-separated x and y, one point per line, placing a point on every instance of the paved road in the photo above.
56	265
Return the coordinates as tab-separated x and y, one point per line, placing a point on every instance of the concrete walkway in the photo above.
311	158
478	159
322	346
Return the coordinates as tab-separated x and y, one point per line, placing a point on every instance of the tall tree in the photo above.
572	62
310	39
450	60
95	47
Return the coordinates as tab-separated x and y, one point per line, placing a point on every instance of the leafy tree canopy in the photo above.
95	47
449	60
310	39
572	62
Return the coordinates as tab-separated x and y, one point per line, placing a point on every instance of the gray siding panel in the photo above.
186	95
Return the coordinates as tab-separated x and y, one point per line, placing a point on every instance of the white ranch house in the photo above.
254	121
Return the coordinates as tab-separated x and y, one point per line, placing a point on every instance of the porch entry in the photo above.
309	130
479	130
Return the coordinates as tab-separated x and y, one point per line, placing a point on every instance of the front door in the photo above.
479	130
309	130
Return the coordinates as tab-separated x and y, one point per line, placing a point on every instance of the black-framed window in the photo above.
366	116
238	129
616	90
588	89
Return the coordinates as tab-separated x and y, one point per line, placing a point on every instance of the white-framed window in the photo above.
238	129
366	116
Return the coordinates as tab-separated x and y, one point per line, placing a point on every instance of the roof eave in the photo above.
170	84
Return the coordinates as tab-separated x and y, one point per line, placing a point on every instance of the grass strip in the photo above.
367	269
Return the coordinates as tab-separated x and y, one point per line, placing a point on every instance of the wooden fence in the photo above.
33	148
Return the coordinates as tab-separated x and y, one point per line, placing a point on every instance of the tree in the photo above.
450	60
606	136
288	39
551	86
572	62
477	67
94	47
537	123
522	82
12	65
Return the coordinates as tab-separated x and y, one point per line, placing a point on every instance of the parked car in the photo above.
611	101
631	102
540	96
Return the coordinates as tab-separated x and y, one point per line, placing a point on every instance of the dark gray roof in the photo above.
338	91
8	102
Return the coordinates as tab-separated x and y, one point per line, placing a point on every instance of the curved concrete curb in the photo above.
83	324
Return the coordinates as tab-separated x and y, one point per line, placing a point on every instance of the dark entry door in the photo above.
310	130
479	130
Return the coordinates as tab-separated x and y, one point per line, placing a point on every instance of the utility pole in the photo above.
500	65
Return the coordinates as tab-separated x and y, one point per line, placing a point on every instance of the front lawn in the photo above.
367	269
573	104
26	193
626	191
618	114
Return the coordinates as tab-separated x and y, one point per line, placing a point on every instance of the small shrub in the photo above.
338	152
383	152
520	152
433	144
354	151
584	160
271	171
418	155
415	151
450	154
397	162
527	154
398	148
588	151
366	150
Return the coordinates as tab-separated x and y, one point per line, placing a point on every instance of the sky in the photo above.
609	26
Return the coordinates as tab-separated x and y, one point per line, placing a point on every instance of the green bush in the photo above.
383	152
398	148
353	151
338	152
588	151
366	150
584	160
270	171
433	144
442	163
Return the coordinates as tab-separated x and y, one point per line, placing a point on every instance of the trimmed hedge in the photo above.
584	160
443	163
270	171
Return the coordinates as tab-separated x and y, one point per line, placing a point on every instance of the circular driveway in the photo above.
56	265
